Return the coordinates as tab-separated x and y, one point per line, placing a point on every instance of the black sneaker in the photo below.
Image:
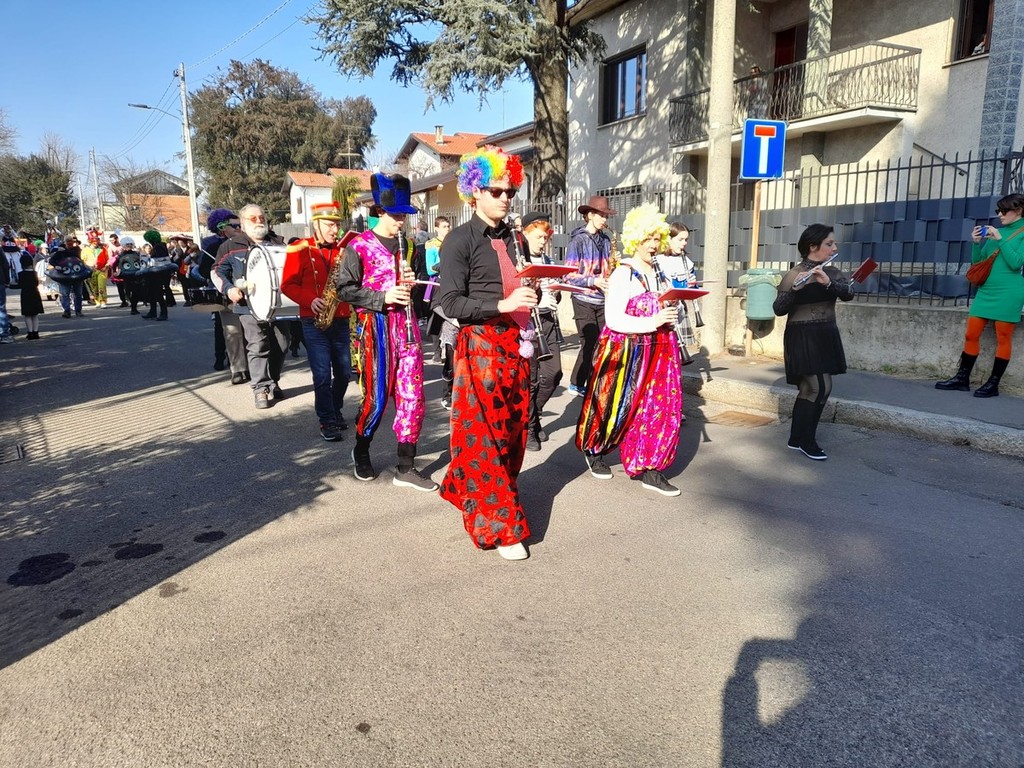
278	393
331	432
814	452
412	478
342	424
532	442
66	314
542	435
597	467
238	378
653	480
262	399
363	467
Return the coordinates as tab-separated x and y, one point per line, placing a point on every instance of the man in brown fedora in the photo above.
589	251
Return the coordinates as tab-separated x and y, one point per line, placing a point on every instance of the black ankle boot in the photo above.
991	387
961	382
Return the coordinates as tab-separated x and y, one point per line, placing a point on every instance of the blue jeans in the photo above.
5	325
330	361
66	290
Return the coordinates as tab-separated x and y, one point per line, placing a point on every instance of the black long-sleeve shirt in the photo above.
471	284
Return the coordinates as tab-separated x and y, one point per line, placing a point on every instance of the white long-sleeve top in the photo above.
623	286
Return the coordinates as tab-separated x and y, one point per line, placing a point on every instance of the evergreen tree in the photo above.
255	122
471	45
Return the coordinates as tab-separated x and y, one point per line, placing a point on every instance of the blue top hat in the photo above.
392	193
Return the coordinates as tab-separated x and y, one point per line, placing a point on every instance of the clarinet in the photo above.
544	350
684	353
410	335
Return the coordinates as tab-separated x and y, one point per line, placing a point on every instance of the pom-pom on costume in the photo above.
634	397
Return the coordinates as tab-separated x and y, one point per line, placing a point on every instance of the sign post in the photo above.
762	156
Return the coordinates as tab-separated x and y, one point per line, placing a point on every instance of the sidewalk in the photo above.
872	400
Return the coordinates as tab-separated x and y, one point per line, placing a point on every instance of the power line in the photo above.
151	128
145	122
248	32
267	42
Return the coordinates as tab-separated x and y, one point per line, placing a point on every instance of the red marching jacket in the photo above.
304	277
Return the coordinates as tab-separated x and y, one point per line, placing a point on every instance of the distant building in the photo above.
305	189
154	199
430	160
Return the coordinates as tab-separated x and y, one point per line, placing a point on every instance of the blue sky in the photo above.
82	62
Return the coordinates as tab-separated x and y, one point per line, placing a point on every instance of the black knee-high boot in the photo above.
812	430
961	381
803	412
991	387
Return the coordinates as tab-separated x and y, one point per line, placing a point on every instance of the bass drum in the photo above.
263	271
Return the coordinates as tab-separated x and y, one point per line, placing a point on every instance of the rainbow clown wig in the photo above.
641	223
484	167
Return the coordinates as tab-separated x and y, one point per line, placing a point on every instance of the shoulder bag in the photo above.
978	273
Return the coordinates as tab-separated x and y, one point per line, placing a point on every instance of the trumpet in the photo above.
410	320
544	349
663	282
805	276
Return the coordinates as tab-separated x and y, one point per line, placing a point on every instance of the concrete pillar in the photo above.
716	220
1002	86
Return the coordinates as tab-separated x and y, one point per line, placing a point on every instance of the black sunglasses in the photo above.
497	192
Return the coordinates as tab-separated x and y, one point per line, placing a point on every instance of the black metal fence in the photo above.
914	217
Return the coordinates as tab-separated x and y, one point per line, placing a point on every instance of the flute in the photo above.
803	278
410	321
664	282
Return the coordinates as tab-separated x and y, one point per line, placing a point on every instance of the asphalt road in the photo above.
187	581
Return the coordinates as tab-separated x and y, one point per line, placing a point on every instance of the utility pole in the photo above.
81	204
716	238
187	131
96	188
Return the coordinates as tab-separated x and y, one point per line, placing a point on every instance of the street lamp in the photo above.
193	205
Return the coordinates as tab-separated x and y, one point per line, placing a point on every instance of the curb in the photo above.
778	402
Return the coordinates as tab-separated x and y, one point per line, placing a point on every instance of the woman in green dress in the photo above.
1000	300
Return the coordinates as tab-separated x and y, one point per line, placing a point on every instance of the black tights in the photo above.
816	388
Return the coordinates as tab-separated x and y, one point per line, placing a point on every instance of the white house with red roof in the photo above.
431	159
305	189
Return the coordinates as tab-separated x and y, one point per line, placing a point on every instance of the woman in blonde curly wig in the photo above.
634	398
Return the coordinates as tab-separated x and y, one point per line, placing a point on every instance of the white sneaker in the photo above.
513	551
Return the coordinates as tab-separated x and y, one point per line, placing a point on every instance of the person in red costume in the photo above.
307	267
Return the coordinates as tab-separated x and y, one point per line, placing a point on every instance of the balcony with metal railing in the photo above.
866	83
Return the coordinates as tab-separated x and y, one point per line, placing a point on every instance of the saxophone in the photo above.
323	319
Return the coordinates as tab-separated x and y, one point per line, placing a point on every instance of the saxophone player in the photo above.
308	268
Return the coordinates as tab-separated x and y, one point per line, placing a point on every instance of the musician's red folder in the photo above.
868	266
682	294
546	270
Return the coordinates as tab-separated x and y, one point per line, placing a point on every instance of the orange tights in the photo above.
1004	337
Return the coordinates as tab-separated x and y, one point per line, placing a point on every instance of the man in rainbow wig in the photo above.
375	278
490	395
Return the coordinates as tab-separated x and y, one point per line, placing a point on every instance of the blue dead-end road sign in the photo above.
763	152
